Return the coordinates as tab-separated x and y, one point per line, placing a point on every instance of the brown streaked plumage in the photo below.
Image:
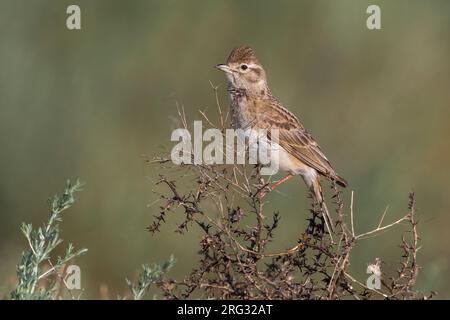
242	54
253	105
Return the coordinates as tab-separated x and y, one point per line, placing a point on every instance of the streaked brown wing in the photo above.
301	145
293	137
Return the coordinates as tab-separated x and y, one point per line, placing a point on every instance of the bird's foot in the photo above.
266	189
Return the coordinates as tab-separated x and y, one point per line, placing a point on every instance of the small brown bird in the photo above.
253	105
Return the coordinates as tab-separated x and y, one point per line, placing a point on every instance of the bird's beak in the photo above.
224	68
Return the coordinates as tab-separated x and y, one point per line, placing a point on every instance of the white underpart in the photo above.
271	154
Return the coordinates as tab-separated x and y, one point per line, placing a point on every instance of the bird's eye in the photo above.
244	67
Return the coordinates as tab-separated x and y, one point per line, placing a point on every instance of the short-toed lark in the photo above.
252	104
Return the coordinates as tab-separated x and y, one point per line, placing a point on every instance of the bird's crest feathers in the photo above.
242	54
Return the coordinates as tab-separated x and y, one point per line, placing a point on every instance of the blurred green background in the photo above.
90	103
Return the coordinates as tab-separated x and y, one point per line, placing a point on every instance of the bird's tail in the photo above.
319	197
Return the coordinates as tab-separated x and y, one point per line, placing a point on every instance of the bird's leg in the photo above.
276	184
279	182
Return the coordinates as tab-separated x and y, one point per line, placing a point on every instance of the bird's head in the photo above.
243	71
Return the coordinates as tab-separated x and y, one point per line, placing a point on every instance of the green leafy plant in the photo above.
148	276
42	242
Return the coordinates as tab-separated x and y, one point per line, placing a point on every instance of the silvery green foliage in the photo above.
42	241
148	276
